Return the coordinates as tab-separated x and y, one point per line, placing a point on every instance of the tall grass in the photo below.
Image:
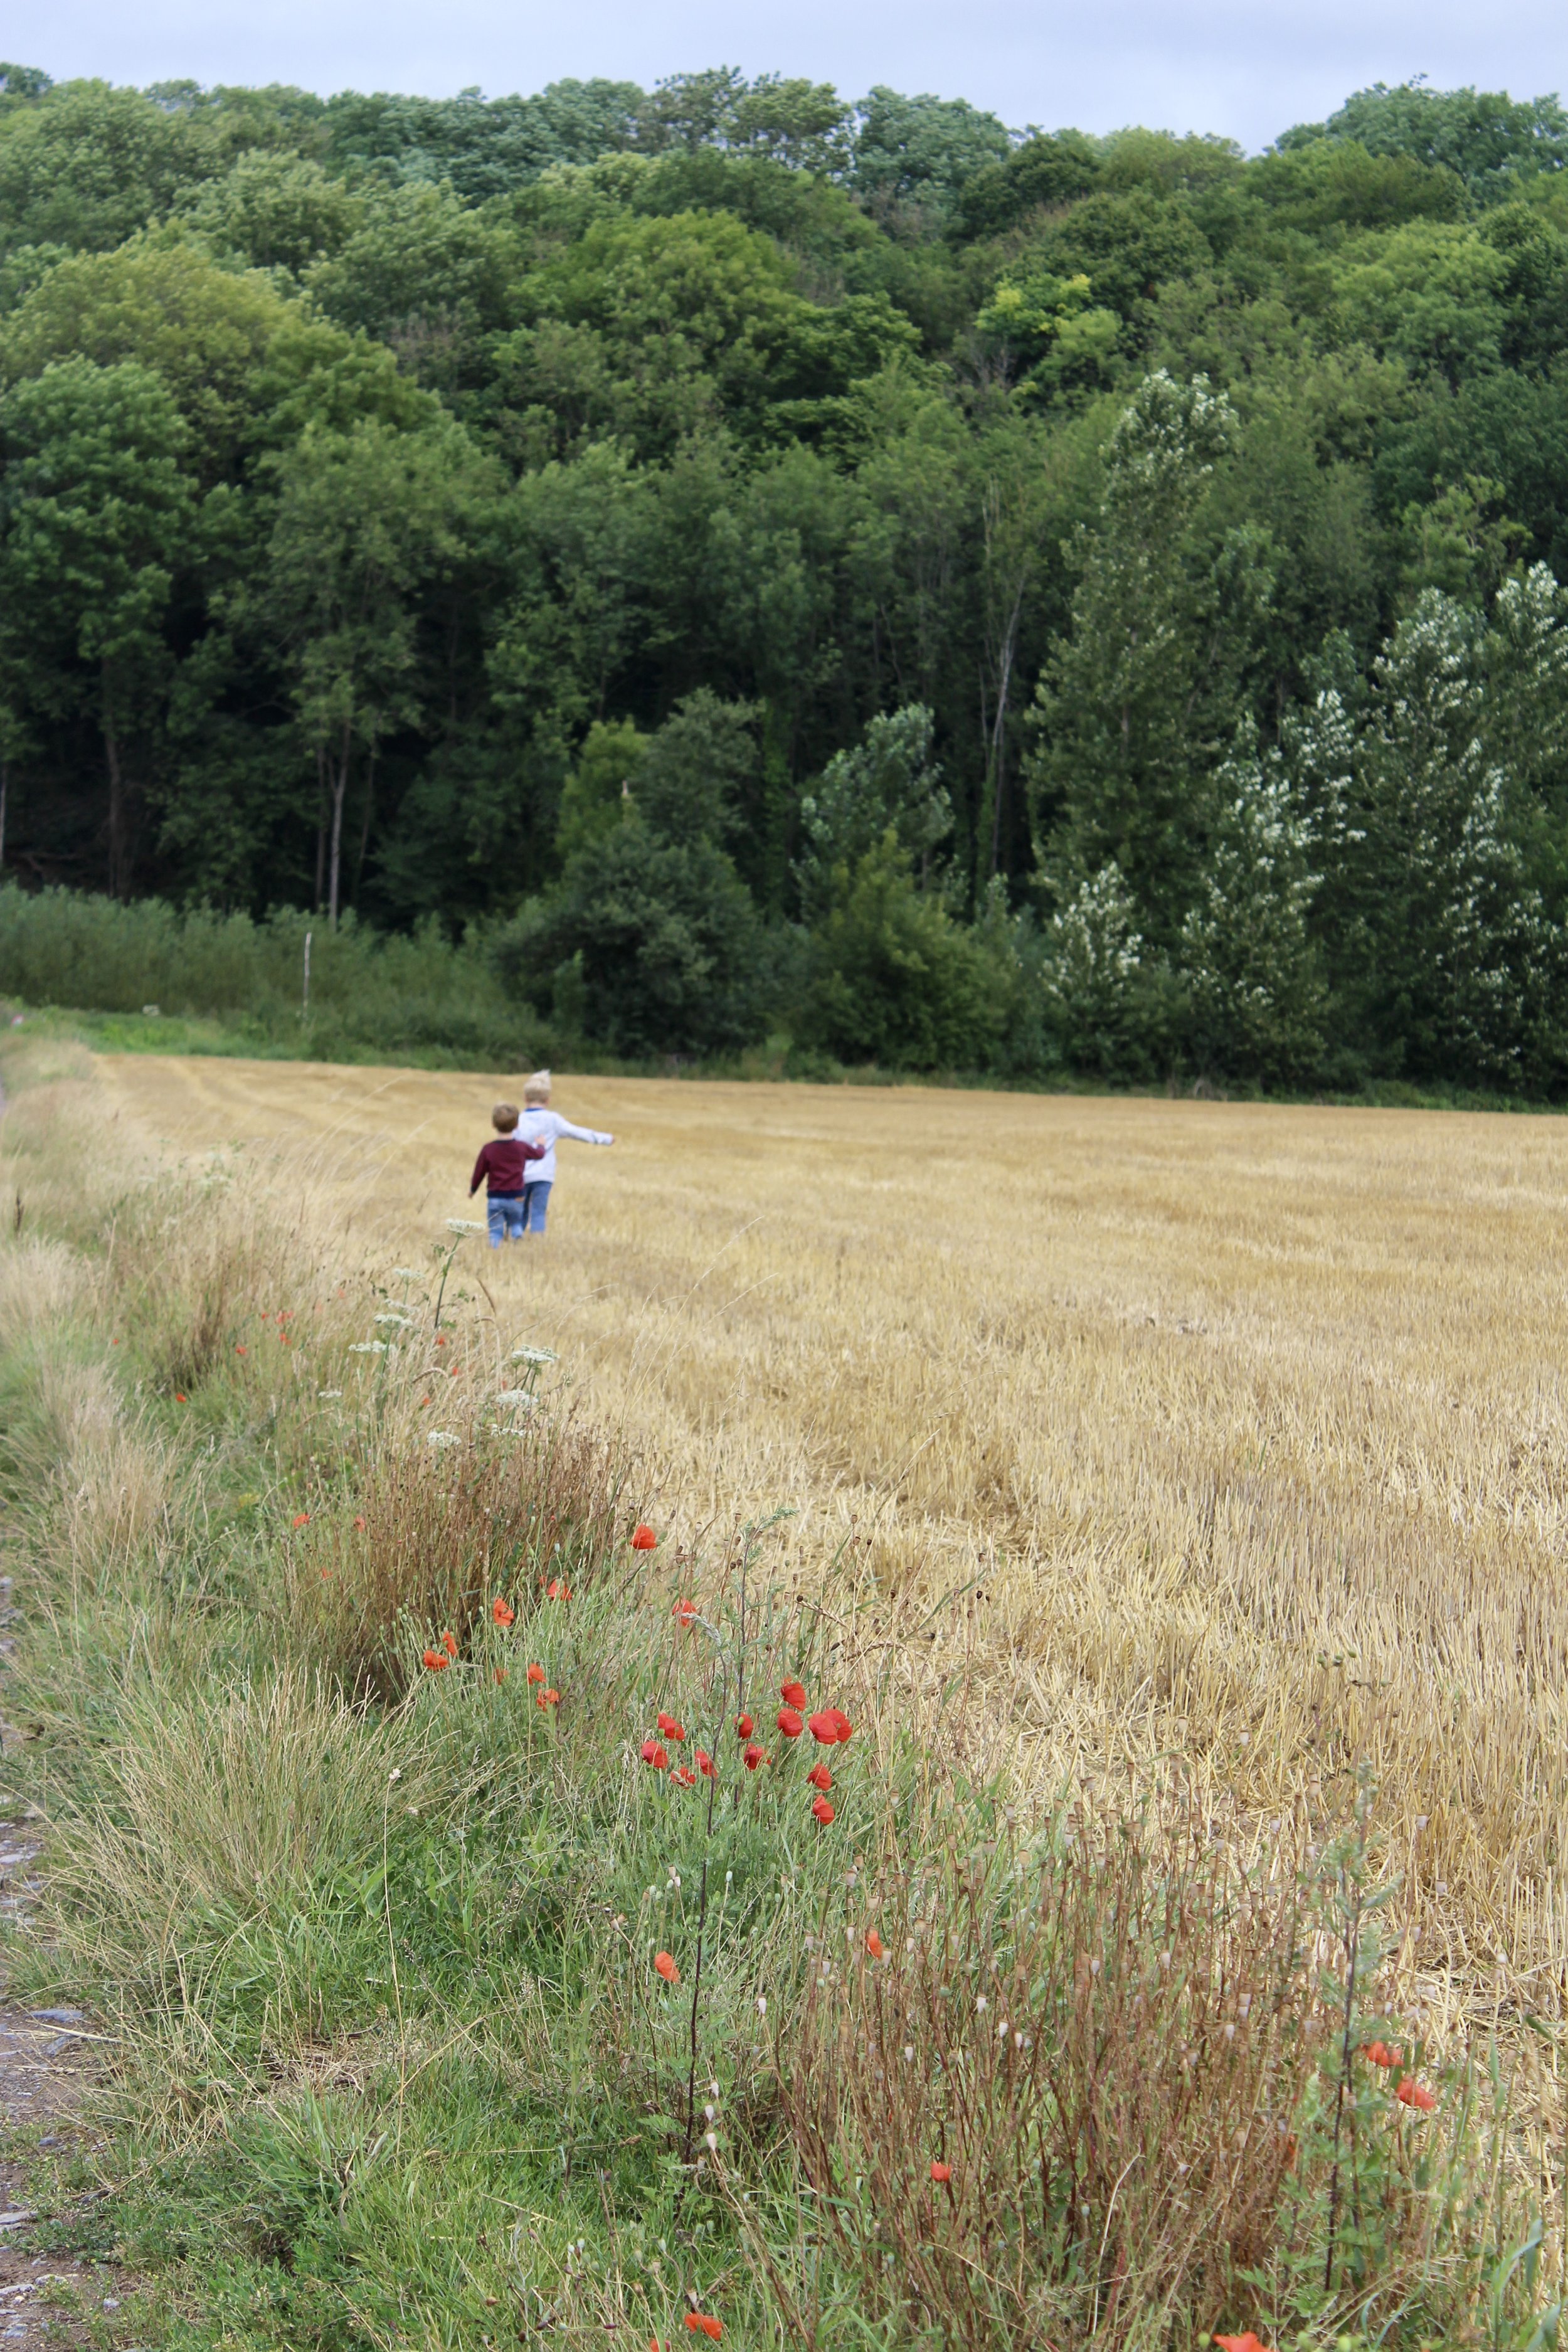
438	2013
395	996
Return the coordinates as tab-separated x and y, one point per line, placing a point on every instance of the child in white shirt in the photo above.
540	1124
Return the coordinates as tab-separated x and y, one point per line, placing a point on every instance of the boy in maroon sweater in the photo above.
500	1167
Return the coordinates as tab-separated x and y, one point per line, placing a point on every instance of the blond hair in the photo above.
504	1118
536	1089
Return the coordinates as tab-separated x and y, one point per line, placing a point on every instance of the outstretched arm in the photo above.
583	1134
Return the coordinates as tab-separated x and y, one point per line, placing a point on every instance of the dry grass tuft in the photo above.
1102	2042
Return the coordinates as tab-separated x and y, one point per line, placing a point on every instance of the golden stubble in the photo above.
1129	1428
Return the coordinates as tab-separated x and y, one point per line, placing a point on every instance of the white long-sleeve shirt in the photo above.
539	1125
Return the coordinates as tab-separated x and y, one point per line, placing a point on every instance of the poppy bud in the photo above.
790	1723
794	1695
665	1964
744	1727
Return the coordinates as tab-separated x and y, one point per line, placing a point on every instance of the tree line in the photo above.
754	565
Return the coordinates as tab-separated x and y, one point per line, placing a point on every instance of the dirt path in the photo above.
48	2059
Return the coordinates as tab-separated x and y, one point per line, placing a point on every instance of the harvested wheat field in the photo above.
1150	1426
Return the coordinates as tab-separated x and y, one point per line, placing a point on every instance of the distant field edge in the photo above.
123	1033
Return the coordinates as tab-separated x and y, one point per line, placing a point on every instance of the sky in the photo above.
1244	68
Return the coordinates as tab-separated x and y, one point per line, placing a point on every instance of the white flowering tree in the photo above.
1254	976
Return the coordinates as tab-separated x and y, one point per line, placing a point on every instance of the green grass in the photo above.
373	1945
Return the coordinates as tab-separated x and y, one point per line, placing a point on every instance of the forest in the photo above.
730	564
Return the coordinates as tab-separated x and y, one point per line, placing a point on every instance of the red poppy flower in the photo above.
437	1661
875	1944
823	1811
665	1964
790	1723
239	1347
793	1694
744	1727
536	1673
500	1674
556	1591
359	1524
424	1399
552	1697
1378	2054
684	1777
180	1397
643	1538
440	1338
685	1613
1247	2343
652	1753
705	1765
1411	2094
301	1518
940	2171
541	1698
670	1729
752	1756
502	1614
829	1725
326	1576
702	2322
820	1778
450	1643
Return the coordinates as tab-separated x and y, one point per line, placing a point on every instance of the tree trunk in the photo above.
5	787
117	877
320	823
335	866
364	830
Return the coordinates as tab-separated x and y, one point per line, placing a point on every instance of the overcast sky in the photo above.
1244	67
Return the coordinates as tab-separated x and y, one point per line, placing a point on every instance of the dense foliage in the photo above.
945	595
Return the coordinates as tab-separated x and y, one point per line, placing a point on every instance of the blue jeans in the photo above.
535	1201
506	1215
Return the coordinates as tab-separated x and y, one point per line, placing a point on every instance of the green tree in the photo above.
96	515
598	793
1136	709
647	946
1252	969
365	520
888	787
892	978
922	151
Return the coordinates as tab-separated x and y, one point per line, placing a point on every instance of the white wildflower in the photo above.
367	1347
461	1226
442	1437
534	1356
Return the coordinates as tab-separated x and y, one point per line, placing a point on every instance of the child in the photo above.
546	1127
501	1164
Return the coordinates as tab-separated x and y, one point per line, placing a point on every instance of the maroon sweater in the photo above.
503	1162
